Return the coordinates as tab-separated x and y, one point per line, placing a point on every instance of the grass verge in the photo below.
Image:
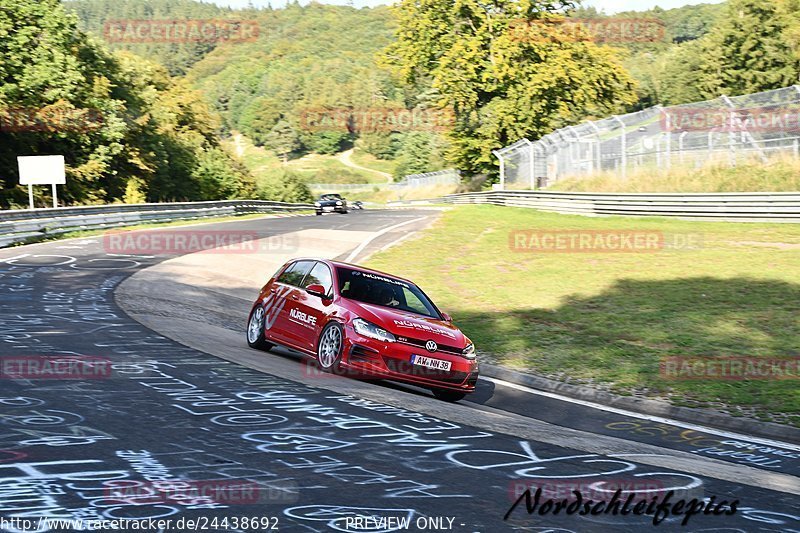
779	174
608	319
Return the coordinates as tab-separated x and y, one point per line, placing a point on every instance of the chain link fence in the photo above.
725	130
441	177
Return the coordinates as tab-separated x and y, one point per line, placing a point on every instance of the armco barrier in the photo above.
19	225
746	207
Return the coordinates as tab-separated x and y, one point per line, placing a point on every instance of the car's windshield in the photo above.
381	290
330	197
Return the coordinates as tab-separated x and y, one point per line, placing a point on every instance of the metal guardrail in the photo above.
746	207
20	225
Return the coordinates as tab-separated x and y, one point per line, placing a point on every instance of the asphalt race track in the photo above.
273	445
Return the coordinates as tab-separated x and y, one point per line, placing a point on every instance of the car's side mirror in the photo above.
446	317
316	290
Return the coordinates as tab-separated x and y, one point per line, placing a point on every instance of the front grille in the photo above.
405	367
440	347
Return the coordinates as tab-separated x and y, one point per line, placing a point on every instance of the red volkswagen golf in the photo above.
363	321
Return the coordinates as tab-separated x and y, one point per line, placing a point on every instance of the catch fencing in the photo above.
724	131
441	177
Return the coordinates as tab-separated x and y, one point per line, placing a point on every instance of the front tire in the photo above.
255	330
448	395
330	347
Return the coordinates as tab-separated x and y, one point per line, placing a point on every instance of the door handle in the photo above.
295	297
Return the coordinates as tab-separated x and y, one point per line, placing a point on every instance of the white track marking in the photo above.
14	258
384	231
660	420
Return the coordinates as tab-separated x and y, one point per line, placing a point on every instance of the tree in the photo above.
502	77
283	140
126	128
326	142
419	152
283	186
753	48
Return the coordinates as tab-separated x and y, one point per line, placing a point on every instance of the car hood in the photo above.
411	325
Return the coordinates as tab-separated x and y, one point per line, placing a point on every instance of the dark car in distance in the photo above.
331	203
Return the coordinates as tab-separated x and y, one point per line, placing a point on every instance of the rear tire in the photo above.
330	347
448	395
255	330
319	214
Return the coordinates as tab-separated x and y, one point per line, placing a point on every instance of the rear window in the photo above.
384	291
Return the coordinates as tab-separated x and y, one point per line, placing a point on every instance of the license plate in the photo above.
327	209
429	362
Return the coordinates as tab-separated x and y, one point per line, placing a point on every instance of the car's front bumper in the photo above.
392	361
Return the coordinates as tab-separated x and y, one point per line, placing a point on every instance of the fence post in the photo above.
668	127
596	148
502	169
531	172
624	147
680	143
731	132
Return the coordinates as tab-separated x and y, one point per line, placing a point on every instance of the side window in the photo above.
320	275
414	303
295	273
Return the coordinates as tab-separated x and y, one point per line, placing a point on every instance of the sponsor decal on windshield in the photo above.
382	278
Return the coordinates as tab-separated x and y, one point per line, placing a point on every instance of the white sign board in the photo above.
41	170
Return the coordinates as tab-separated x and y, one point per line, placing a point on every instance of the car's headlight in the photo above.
469	351
317	204
338	203
368	329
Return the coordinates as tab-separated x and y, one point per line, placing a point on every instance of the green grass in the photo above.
320	168
607	319
779	174
313	168
368	160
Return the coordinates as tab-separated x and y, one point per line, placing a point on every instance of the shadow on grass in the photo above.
619	337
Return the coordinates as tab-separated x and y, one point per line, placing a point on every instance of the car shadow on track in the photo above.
308	368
